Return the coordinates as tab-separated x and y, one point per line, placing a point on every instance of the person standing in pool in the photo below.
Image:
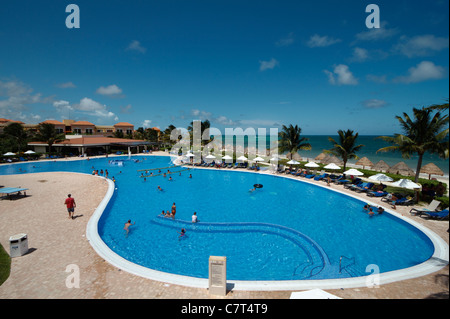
127	227
174	210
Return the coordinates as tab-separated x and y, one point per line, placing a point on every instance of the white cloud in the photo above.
268	65
136	46
286	41
66	85
424	71
421	45
375	34
146	123
359	55
109	90
374	103
317	41
94	108
16	98
341	75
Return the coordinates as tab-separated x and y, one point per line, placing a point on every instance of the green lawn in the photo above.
5	265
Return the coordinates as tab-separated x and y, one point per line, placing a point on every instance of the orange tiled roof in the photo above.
123	124
82	123
54	122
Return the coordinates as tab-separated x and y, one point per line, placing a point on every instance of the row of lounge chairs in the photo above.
225	165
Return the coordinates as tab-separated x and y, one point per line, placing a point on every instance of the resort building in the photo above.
91	145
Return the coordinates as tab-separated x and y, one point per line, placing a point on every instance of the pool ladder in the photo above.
340	262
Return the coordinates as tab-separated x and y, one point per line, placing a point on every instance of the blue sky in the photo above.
236	63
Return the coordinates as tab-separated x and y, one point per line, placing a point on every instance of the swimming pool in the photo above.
288	231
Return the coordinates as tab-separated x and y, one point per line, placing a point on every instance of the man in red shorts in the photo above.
70	203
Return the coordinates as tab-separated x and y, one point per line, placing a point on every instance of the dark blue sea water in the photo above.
371	145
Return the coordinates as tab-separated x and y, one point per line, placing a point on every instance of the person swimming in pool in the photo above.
182	233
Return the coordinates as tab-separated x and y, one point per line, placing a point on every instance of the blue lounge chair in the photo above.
376	193
436	215
364	188
310	176
430	208
320	177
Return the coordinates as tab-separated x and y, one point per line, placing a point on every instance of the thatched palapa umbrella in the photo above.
335	160
364	162
321	157
431	169
381	166
401	169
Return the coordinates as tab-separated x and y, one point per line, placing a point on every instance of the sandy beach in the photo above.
56	242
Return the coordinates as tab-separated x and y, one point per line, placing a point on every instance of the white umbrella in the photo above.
242	158
259	159
381	178
332	166
311	164
405	183
292	162
9	154
210	156
227	157
353	172
29	152
190	155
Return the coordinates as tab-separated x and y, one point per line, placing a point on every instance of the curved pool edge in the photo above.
437	261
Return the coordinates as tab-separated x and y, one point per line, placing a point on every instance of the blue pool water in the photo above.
288	230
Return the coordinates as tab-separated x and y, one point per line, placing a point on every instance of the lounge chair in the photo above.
436	215
310	175
403	202
430	208
376	193
363	188
320	177
356	182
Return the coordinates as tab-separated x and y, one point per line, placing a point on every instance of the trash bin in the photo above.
18	245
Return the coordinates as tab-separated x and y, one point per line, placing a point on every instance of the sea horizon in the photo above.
371	143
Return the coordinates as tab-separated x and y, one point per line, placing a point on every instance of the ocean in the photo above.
371	145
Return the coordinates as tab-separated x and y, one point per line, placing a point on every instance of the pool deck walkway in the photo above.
58	245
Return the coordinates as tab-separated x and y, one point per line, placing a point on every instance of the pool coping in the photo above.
437	261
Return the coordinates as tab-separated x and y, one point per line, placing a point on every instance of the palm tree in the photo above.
16	133
47	133
424	133
291	140
346	148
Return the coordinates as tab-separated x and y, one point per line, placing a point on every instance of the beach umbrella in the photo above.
227	157
30	152
292	162
364	162
431	169
353	172
311	164
401	169
9	154
381	166
381	178
190	155
406	183
332	166
242	158
259	159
